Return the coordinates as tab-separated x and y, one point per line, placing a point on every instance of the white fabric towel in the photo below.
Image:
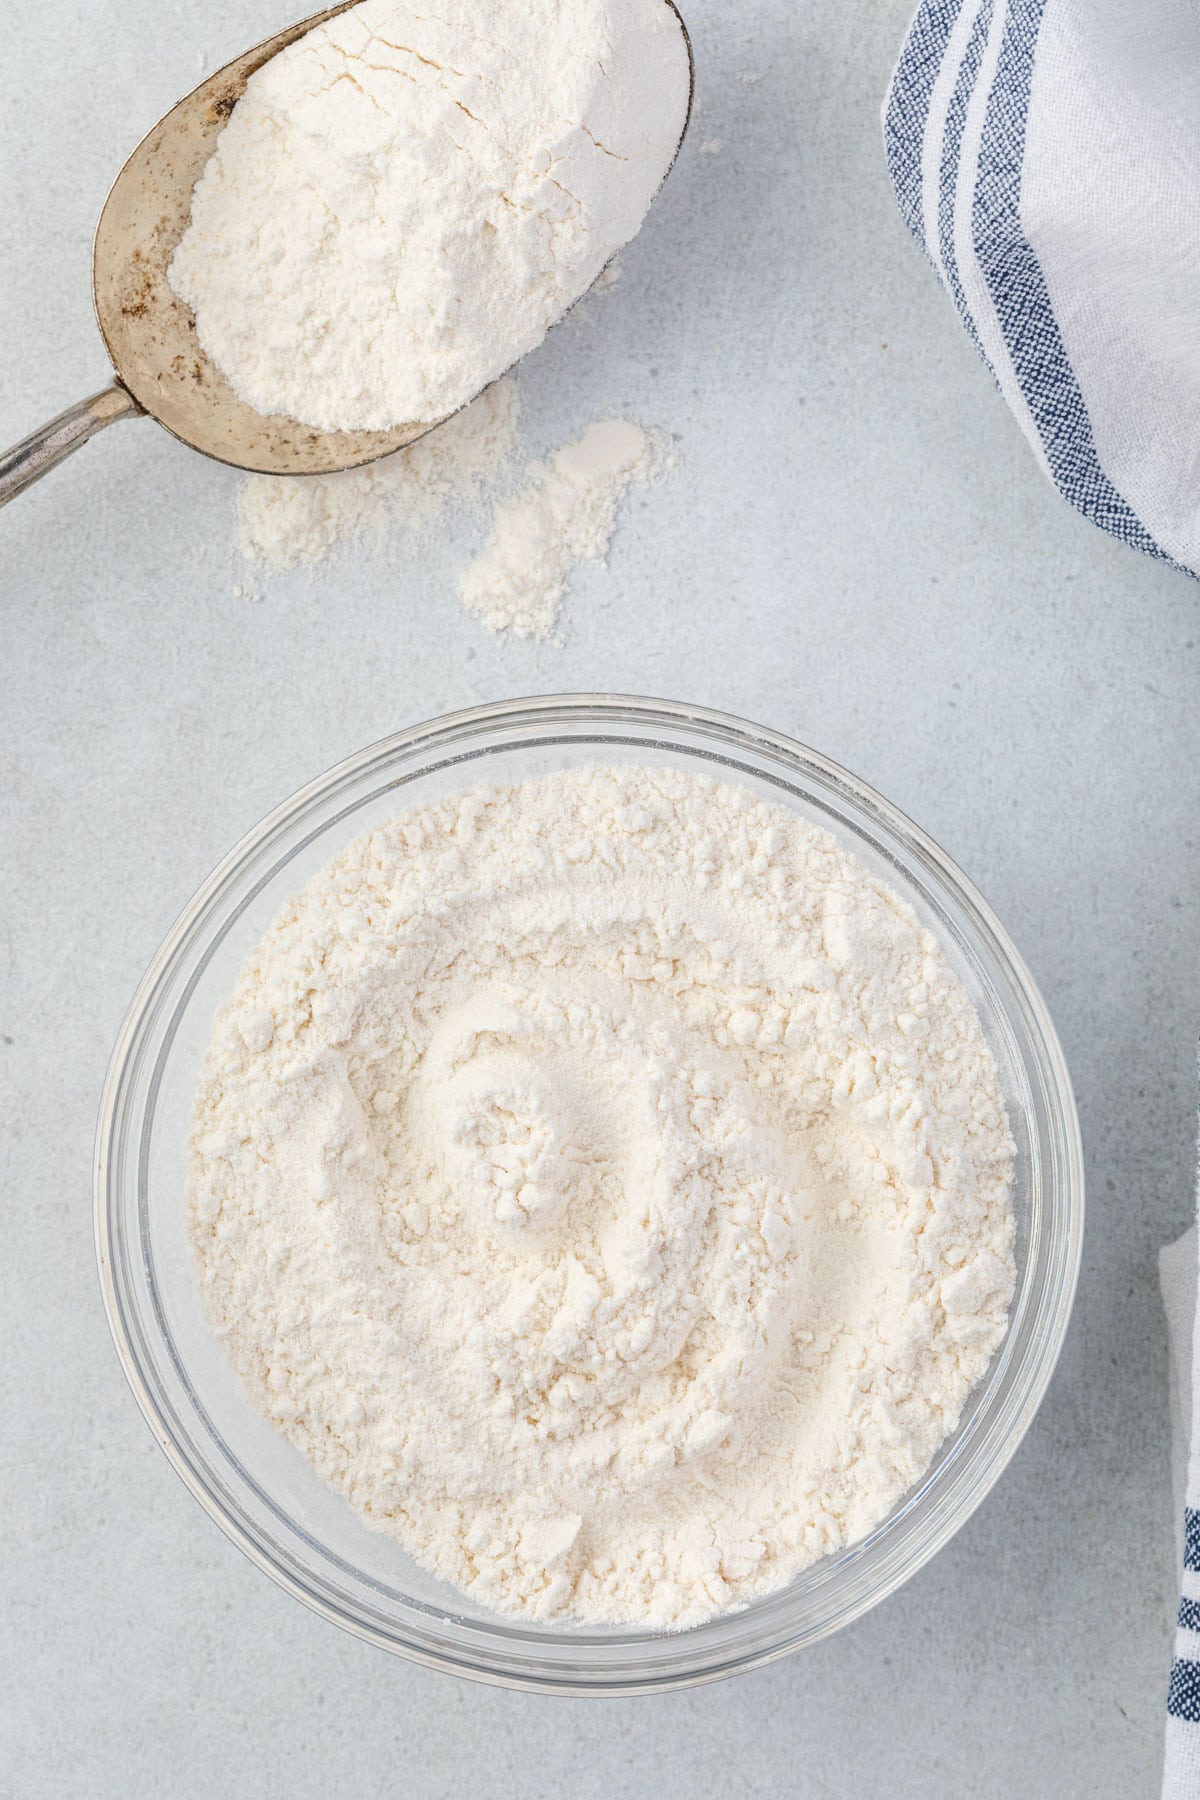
1046	154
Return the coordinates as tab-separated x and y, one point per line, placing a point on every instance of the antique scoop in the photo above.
160	367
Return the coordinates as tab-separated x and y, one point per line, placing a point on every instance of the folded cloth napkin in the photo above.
1178	1271
1046	155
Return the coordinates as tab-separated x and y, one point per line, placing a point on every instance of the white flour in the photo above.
403	203
604	1182
566	516
288	520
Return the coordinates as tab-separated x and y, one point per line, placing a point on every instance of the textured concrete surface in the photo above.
857	549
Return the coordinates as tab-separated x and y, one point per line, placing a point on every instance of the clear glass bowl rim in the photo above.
570	1661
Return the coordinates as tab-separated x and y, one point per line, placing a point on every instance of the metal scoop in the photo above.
160	366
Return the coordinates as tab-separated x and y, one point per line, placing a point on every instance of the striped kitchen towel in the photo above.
1178	1270
1046	155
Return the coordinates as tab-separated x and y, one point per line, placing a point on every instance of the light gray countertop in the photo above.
857	549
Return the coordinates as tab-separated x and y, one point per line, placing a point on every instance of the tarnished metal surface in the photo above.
43	450
151	336
150	333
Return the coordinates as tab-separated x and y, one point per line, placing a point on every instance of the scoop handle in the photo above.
43	450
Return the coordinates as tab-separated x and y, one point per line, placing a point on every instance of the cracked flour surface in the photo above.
604	1181
403	202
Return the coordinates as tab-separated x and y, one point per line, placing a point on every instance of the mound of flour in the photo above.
403	203
604	1181
565	515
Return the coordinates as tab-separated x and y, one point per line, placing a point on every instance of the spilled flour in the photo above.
563	514
285	521
604	1182
566	516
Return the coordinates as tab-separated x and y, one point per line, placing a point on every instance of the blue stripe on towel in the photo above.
1191	1539
906	112
956	118
1183	1695
1022	301
1189	1615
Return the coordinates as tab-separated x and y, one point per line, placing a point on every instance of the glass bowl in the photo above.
260	1489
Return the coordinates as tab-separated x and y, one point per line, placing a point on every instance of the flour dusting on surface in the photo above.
565	516
286	521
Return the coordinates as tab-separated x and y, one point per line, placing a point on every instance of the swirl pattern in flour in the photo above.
605	1182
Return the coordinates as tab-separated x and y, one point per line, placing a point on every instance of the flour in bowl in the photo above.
604	1181
403	202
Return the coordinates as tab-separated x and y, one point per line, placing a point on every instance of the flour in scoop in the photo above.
605	1182
403	202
